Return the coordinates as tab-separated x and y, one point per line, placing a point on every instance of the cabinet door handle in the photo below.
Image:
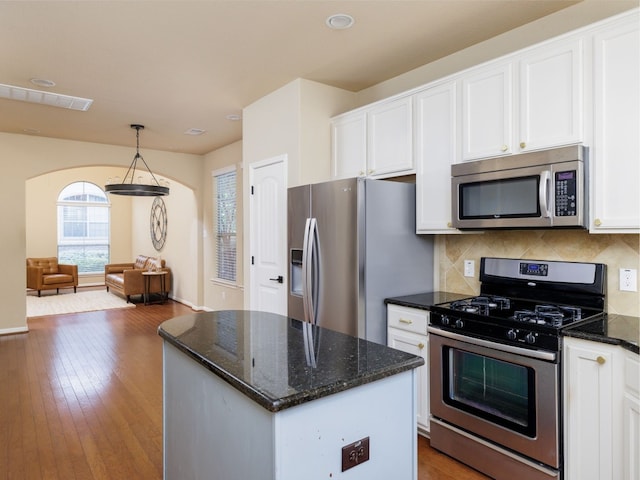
523	145
597	222
421	345
407	322
601	360
504	148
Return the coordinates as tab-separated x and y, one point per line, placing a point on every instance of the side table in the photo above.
147	286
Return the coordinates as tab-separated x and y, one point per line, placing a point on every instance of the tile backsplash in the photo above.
616	251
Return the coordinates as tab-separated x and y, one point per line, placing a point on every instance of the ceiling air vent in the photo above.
44	98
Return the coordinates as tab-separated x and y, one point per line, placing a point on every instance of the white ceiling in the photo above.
176	65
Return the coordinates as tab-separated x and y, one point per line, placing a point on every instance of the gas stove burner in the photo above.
482	305
552	315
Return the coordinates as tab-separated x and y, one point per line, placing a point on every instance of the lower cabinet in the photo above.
407	331
601	411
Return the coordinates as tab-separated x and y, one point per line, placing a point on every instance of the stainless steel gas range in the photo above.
495	384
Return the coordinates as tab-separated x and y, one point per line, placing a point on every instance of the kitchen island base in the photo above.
213	431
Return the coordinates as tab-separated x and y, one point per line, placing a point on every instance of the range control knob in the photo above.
512	334
459	323
445	320
530	338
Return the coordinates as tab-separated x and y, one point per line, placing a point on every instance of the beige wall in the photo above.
616	251
292	121
182	248
41	214
23	157
219	295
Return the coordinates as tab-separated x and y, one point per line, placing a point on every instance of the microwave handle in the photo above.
543	193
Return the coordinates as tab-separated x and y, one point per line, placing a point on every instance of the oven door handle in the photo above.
541	355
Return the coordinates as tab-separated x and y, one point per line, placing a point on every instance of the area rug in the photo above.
93	300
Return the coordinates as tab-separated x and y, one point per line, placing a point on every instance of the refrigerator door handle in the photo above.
306	270
314	271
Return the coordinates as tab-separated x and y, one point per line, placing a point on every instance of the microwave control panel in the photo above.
566	193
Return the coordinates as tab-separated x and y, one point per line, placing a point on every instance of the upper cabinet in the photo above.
487	112
435	148
530	101
349	145
376	141
615	156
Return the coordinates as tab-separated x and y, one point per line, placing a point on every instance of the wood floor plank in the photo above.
81	398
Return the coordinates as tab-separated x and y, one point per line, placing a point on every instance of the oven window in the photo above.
511	197
498	391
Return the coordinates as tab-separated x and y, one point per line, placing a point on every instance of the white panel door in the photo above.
268	243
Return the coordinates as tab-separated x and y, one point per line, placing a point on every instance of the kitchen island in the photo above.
254	395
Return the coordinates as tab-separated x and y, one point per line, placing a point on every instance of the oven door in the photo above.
500	393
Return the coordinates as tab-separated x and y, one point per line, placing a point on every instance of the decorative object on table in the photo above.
158	223
126	278
47	274
128	187
90	301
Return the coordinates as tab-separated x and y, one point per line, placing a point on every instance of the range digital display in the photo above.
535	269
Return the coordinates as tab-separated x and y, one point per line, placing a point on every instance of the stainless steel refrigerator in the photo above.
352	243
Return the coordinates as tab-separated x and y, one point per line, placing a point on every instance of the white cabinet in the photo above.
349	145
390	138
615	156
487	111
530	101
407	331
435	127
593	410
376	141
631	418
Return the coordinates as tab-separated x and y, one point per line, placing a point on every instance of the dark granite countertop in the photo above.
614	329
424	301
280	362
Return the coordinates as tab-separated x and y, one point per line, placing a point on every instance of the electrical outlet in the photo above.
469	268
628	280
355	453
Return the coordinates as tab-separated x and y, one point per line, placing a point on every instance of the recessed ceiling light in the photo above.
340	21
234	117
194	131
42	82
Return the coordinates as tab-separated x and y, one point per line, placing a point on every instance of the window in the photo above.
224	184
83	227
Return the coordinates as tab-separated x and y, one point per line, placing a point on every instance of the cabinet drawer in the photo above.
409	319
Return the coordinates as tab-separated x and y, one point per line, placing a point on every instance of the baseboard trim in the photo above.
14	330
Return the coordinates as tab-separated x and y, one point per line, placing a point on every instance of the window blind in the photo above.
225	187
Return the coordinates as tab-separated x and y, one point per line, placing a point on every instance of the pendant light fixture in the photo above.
128	187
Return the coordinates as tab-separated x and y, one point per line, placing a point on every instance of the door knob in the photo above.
279	279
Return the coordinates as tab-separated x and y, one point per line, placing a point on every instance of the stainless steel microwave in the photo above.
541	189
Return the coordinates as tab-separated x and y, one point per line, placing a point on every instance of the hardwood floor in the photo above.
81	398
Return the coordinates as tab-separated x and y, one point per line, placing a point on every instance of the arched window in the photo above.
83	227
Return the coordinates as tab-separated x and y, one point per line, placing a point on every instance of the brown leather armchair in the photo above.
47	274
